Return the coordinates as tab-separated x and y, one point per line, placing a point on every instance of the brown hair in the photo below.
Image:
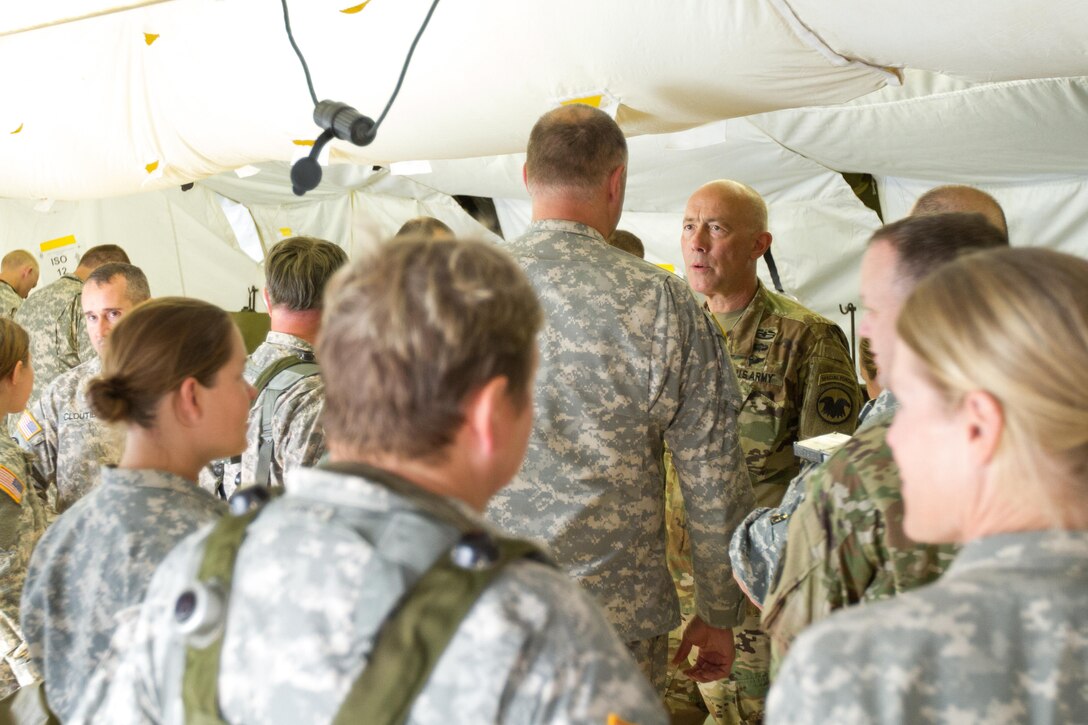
925	243
574	147
14	346
1014	323
136	287
423	226
103	254
297	270
410	330
867	359
153	349
628	242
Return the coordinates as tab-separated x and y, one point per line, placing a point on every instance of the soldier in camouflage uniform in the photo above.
22	516
796	380
18	275
68	441
992	444
628	363
758	543
429	352
296	272
172	374
53	316
845	542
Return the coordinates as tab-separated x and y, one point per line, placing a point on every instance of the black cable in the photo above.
403	70
407	60
291	37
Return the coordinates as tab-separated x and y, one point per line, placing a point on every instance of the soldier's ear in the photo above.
762	244
190	401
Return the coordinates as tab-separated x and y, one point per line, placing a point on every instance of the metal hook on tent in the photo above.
850	309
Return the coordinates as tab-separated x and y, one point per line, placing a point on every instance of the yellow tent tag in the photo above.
150	38
355	8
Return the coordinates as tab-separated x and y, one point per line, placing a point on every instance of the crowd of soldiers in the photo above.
548	483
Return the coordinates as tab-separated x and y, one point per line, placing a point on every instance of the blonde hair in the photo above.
14	346
153	349
1014	323
410	330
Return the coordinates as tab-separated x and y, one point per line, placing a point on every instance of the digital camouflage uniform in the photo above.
298	438
53	317
22	521
10	301
846	542
797	381
758	542
317	575
92	567
68	441
628	362
1001	638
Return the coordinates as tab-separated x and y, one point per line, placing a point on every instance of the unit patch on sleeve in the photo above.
28	427
834	404
11	485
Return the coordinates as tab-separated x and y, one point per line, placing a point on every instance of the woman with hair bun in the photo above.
992	447
22	515
172	376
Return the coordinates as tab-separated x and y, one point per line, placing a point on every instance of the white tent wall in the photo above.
1041	212
181	240
186	246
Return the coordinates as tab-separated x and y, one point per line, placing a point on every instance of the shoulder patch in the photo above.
11	485
834	404
28	426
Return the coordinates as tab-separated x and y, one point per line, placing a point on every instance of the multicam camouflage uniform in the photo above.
317	575
53	317
628	362
297	435
999	639
10	301
797	381
22	521
68	441
846	542
93	565
757	544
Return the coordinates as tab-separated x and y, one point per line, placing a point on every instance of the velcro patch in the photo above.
11	485
834	404
28	427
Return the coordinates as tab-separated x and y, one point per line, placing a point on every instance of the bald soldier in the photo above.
18	275
53	318
628	362
968	199
60	429
796	381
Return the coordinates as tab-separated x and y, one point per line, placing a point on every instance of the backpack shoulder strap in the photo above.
274	379
410	643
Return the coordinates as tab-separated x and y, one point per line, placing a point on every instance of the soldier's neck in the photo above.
732	300
303	324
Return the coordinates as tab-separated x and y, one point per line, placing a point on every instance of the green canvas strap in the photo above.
410	643
273	380
200	684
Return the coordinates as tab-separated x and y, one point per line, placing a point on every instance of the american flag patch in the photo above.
28	427
11	485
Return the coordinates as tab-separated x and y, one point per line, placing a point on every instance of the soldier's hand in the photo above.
716	652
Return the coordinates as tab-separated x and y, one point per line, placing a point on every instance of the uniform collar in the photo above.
742	338
283	339
146	478
1039	550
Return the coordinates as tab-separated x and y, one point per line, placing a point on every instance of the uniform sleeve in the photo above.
831	395
299	436
37	434
829	561
700	389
